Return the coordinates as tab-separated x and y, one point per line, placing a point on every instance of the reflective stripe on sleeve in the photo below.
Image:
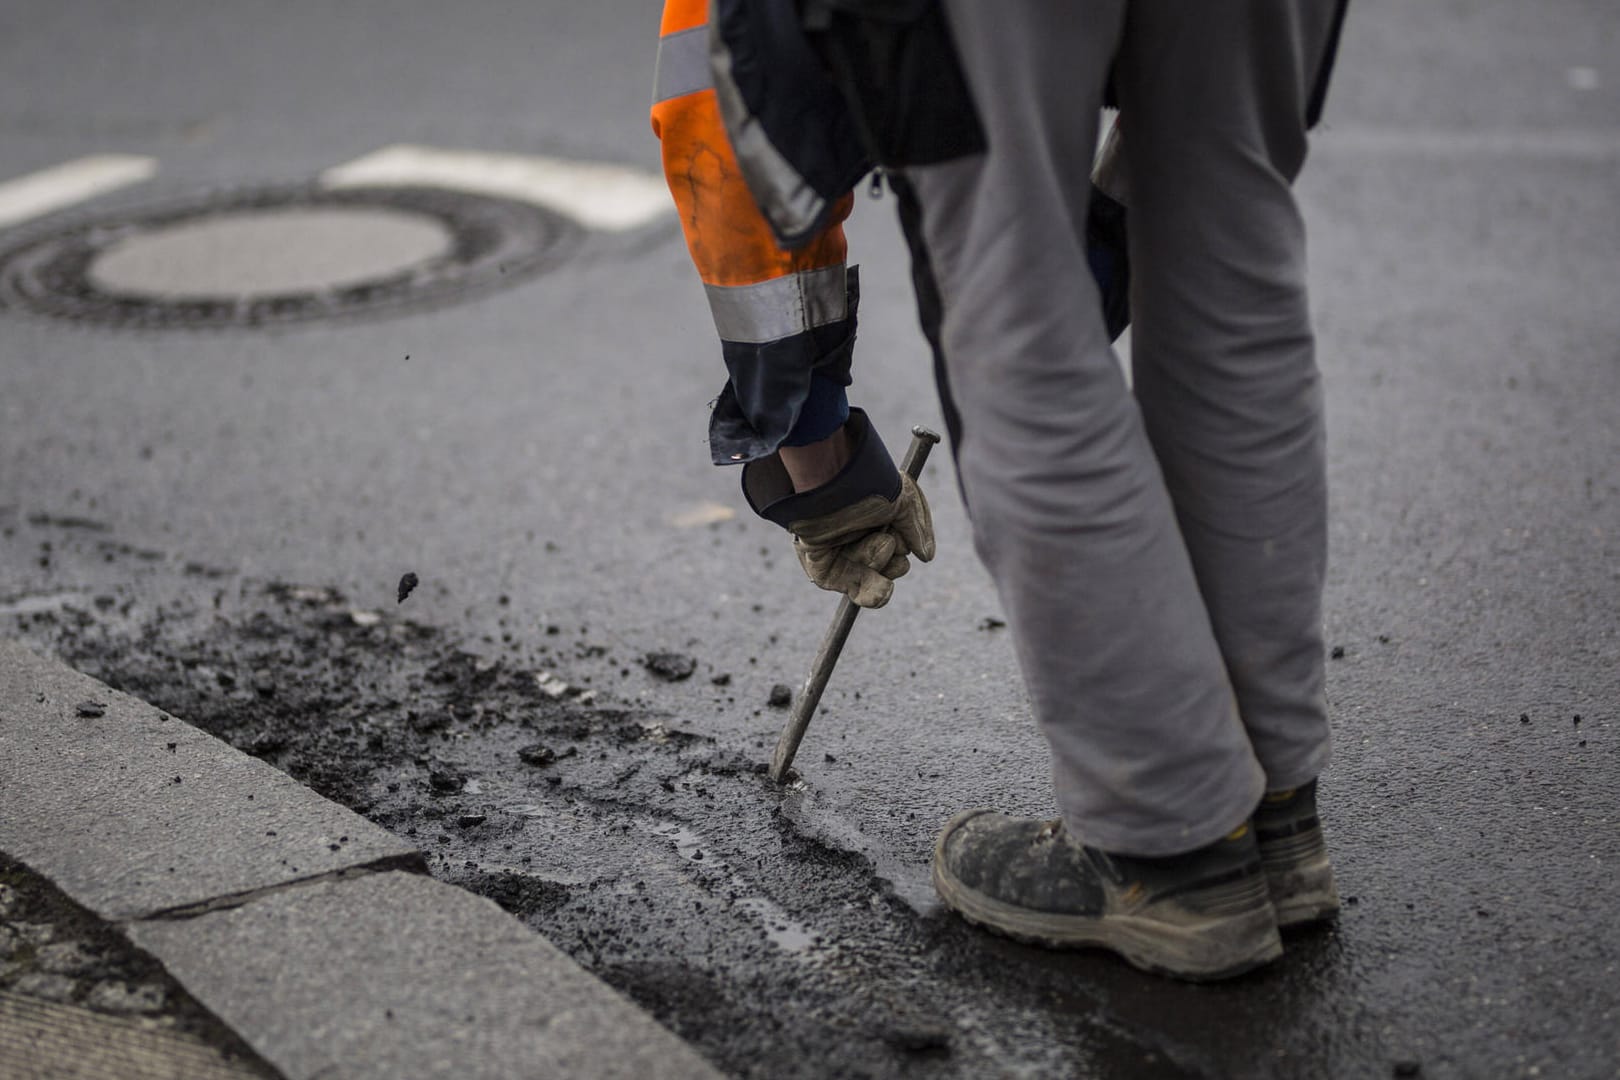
683	64
780	307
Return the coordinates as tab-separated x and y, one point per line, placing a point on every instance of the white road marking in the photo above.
71	182
600	196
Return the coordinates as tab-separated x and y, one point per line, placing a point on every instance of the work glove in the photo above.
855	533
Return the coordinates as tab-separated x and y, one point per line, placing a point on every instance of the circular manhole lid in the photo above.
277	256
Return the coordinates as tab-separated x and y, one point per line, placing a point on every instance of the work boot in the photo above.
1202	915
1296	859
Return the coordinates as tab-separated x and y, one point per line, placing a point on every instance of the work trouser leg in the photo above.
1071	513
780	314
1214	97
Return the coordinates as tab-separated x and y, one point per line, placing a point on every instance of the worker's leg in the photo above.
780	314
1215	98
1070	513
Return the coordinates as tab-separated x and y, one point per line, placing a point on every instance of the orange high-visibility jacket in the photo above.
786	318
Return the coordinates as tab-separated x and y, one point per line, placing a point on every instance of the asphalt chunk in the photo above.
407	583
781	696
670	666
91	709
540	755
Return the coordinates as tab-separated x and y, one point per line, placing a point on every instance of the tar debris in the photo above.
541	755
442	780
781	696
918	1038
669	666
91	709
406	584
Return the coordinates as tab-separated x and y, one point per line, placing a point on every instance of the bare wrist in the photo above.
816	463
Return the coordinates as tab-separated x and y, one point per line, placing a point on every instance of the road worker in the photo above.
1159	544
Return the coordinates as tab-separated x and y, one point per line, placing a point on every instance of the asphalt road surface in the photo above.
533	448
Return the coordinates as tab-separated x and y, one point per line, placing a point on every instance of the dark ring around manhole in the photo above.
492	242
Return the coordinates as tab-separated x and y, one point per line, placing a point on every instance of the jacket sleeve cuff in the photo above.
771	384
870	471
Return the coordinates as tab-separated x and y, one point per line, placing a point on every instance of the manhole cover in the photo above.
270	257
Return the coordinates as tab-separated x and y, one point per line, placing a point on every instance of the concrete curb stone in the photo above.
132	812
292	919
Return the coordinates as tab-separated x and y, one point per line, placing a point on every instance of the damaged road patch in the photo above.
657	858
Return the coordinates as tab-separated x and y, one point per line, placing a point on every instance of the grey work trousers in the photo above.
1160	556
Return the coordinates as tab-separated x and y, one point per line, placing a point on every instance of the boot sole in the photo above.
1202	951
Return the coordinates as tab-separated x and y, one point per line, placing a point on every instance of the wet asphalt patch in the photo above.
663	862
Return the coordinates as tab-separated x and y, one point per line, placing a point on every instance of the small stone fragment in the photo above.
46	987
1337	653
990	622
406	584
91	709
724	679
1524	718
35	933
781	696
1408	1068
467	821
670	666
120	997
442	780
537	754
64	958
552	686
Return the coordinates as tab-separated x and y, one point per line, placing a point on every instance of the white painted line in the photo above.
597	195
71	182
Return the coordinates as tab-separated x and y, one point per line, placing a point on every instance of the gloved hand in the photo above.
853	534
860	550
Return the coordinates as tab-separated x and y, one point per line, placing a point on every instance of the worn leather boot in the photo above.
1203	915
